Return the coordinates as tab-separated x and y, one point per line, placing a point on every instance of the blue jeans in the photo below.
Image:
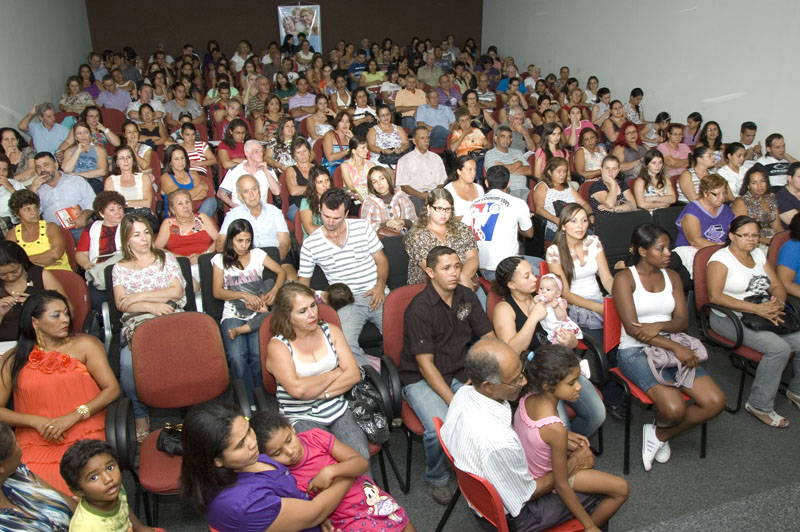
489	275
353	318
127	382
632	361
439	136
427	404
292	212
209	207
408	122
244	355
590	412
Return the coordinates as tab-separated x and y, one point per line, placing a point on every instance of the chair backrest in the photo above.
700	274
179	360
326	314
211	305
491	301
284	195
775	247
615	231
78	295
298	229
395	250
69	246
113	119
319	155
338	180
61	115
544	269
612	325
186	270
394	309
302	127
666	218
583	190
478	491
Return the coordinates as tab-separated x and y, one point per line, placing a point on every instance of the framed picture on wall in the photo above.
301	18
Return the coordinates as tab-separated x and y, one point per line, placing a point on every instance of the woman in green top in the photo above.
319	181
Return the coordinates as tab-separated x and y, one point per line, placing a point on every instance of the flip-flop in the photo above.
793	398
776	420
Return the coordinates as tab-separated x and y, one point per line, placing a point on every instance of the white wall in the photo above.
731	60
42	42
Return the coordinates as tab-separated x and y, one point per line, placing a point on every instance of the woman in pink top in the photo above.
552	376
676	153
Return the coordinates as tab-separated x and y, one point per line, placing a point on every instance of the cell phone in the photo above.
172	304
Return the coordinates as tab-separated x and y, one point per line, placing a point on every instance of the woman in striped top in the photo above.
314	368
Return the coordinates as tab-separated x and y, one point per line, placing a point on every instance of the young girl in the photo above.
550	294
239	268
315	457
552	375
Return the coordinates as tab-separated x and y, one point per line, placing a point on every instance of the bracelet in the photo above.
83	411
106	130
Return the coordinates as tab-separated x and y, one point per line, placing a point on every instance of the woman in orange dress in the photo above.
61	385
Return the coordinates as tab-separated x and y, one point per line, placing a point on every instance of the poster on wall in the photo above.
296	19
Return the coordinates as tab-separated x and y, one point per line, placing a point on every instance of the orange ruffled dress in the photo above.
50	385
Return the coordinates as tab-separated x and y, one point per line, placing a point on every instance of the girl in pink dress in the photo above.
552	376
315	457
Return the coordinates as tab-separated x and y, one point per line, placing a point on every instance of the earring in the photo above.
39	341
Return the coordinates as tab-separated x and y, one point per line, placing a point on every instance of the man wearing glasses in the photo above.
440	323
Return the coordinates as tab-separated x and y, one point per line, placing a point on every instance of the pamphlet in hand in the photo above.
67	215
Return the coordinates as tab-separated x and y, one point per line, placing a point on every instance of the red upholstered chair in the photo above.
61	115
113	119
298	230
69	246
78	295
285	201
178	361
303	128
319	155
775	247
338	180
583	190
612	328
329	315
482	496
394	308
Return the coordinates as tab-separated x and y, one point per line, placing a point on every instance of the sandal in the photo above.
793	398
141	435
775	419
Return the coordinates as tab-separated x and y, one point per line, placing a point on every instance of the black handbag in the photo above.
791	321
391	159
364	402
169	439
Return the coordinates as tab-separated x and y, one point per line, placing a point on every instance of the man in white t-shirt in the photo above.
495	219
776	161
255	166
348	251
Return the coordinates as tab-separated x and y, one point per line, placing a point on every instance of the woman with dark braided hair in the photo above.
516	320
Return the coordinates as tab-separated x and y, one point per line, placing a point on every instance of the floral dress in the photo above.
420	240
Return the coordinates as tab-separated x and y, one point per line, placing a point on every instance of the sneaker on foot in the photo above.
441	494
663	454
650	445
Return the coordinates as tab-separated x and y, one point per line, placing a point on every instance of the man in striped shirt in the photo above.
348	251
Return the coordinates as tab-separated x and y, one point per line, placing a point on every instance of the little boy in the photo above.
91	470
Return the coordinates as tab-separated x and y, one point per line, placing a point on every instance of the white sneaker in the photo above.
650	445
663	454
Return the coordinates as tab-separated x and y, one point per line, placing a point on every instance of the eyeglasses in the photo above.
752	236
438	209
516	383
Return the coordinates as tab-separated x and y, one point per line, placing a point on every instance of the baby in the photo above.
91	470
550	294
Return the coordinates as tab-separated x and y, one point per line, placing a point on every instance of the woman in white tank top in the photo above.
649	300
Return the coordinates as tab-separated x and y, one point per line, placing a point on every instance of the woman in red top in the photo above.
186	234
231	150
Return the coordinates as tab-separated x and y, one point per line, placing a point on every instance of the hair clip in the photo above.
530	356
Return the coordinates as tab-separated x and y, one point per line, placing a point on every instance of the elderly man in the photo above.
437	119
420	170
440	323
181	104
66	199
255	105
301	105
269	226
429	73
348	251
111	97
145	96
521	138
449	95
255	167
478	433
46	134
486	97
513	160
408	100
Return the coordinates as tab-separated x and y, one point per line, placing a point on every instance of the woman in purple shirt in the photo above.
238	489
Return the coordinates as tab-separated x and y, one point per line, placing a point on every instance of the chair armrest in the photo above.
111	425
391	378
107	330
240	397
126	434
705	326
597	360
260	397
386	401
91	325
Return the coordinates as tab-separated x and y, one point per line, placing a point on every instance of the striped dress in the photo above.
323	411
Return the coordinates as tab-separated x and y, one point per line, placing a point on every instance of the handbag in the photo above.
364	403
169	439
660	359
391	159
791	320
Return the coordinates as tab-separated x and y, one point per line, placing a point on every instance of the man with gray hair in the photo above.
255	105
478	433
47	135
521	138
254	166
513	160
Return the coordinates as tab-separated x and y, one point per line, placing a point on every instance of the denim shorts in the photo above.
632	361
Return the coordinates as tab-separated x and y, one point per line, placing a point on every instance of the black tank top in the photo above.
301	181
9	328
519	320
